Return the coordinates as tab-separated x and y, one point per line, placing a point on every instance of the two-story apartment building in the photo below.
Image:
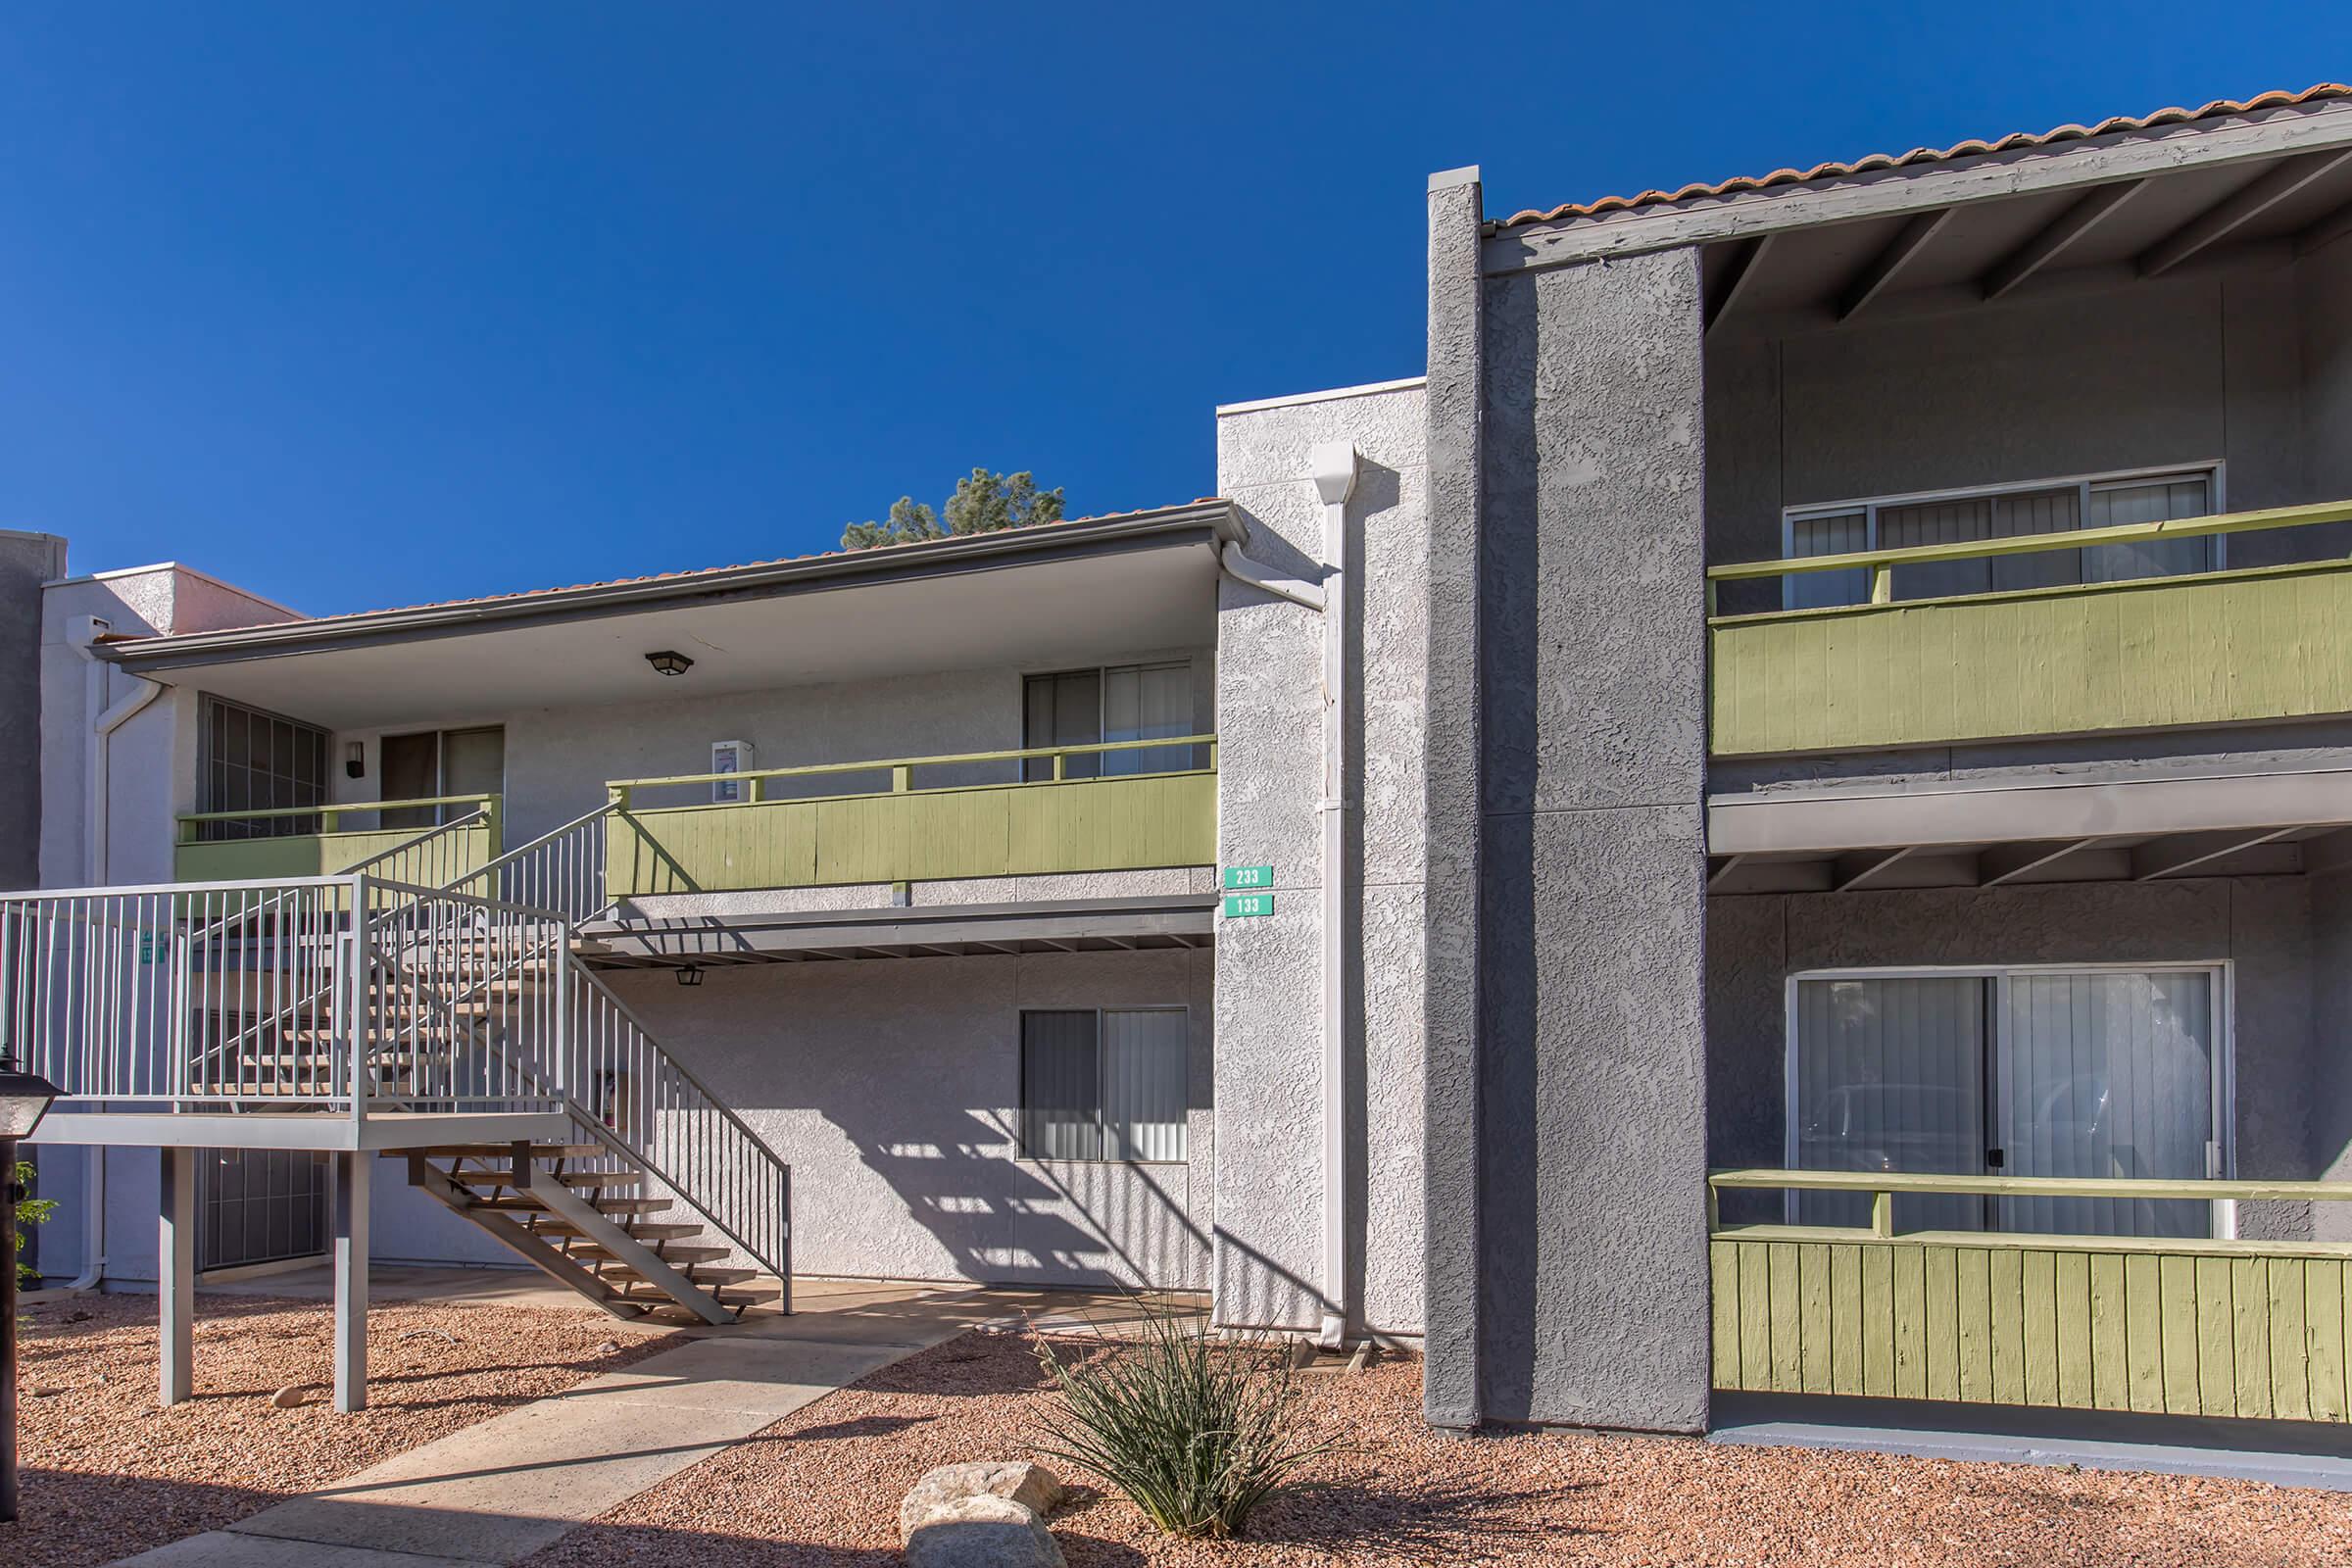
1777	826
1887	748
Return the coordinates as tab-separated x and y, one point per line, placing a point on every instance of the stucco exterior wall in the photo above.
1270	1002
2323	293
2330	1081
1593	1305
892	1088
2282	983
2152	375
559	759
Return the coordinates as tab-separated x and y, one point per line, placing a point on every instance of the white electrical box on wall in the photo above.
730	757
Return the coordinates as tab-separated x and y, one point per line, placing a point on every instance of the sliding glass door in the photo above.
2022	1072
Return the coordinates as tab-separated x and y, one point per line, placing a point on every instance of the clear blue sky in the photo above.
361	304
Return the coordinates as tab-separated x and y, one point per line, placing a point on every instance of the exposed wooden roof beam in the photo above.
1723	866
2334	227
2185	852
1888	264
2057	236
2006	862
2225	217
1744	267
1855	870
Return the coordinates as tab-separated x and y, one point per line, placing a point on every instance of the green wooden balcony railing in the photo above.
467	840
909	833
2211	648
2181	1327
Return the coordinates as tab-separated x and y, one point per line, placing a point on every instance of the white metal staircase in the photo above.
368	996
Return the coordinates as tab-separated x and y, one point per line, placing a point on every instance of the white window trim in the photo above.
2224	1045
2211	469
1020	1112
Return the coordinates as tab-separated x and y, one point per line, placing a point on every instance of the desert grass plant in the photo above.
1195	1429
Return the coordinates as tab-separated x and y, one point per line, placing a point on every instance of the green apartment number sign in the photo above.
1245	905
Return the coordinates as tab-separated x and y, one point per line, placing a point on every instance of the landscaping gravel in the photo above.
821	1490
107	1472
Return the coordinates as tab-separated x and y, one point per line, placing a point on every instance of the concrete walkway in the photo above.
500	1490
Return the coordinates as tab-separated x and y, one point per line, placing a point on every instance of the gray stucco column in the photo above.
26	561
1593	1070
1450	1379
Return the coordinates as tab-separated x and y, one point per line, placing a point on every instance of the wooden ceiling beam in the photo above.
2058	237
2232	213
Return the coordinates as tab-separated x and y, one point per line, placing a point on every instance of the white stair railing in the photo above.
562	869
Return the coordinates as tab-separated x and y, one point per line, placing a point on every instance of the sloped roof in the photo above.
1877	162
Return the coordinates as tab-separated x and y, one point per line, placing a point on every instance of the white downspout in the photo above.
1332	464
98	795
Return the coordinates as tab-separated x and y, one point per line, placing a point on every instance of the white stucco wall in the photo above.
892	1088
1269	1009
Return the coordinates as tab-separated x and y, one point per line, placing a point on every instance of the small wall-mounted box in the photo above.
731	757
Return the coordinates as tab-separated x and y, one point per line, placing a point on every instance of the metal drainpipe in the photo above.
1332	464
96	870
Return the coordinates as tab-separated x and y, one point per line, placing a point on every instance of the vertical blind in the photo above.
2089	1073
2003	514
253	761
1123	703
1106	1084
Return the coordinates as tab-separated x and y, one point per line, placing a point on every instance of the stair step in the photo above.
732	1296
603	1205
500	1176
708	1278
503	1150
647	1233
667	1253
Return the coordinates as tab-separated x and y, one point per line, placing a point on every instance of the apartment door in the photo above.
2106	1072
435	763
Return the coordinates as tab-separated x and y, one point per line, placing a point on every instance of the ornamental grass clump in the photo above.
1196	1431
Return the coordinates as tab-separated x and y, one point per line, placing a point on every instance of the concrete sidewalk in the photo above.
494	1493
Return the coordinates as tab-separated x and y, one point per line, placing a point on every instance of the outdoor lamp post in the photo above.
24	1101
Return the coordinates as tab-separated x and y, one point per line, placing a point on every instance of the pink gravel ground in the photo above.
107	1472
821	1490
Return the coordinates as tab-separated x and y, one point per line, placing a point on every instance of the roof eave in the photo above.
1211	521
1703	219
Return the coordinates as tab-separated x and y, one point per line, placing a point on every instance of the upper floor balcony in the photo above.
1106	807
1916	663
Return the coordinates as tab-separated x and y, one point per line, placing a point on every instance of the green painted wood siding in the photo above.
2216	1329
302	854
1129	822
2225	647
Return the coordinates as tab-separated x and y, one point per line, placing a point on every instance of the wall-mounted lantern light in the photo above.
669	661
355	760
691	975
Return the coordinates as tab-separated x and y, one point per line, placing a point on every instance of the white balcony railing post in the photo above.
363	990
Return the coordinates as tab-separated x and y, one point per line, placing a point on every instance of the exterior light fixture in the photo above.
355	760
669	661
691	975
24	1098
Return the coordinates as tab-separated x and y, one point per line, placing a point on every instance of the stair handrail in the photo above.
544	848
779	1260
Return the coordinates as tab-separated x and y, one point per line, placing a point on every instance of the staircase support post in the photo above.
175	1274
349	1168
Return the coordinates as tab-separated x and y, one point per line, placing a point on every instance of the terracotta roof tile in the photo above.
1929	155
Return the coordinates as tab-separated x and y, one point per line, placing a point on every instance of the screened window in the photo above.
250	761
2063	506
1121	702
1104	1084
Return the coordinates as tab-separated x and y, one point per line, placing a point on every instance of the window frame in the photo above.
1040	770
211	775
2211	469
2224	973
1022	1148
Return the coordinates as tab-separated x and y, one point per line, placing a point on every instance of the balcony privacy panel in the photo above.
2107	1074
1890	1077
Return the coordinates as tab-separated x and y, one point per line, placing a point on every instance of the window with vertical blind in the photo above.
2005	512
1104	1084
1118	702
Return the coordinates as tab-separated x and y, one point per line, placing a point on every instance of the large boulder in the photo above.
984	1531
1032	1485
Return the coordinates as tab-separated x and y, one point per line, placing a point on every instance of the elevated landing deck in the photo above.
333	1131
